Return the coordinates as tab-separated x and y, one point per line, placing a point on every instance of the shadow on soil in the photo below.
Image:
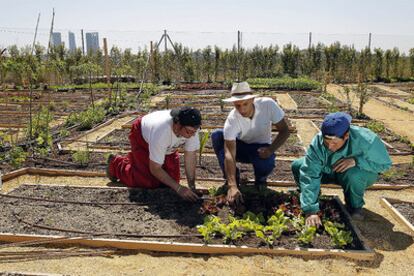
378	233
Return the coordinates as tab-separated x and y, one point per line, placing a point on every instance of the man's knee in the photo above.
357	179
217	137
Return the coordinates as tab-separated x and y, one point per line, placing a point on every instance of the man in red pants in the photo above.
154	160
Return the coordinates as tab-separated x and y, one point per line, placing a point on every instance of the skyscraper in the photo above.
92	42
56	39
72	43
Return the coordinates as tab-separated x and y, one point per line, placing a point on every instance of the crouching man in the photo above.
247	137
347	155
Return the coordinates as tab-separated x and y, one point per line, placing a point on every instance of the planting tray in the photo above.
51	213
390	205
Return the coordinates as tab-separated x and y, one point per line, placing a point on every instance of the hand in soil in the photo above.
234	197
187	194
264	152
313	220
344	164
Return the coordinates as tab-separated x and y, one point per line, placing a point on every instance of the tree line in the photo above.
325	63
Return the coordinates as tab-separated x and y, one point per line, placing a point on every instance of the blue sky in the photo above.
199	23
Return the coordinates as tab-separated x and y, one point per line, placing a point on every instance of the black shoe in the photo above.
108	163
260	185
356	214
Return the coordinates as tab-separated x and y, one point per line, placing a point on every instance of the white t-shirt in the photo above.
156	129
259	128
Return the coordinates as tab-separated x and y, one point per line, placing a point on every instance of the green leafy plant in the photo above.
82	157
16	156
203	136
339	236
40	131
376	127
307	235
212	225
392	174
86	119
276	224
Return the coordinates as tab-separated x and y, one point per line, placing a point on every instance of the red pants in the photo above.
133	169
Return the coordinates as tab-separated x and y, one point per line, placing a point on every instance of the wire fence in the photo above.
140	39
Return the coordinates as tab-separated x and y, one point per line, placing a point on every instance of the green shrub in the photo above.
376	127
17	156
81	157
86	119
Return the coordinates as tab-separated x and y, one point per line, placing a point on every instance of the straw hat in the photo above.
239	92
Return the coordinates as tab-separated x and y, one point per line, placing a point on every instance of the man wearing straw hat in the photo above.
347	155
247	137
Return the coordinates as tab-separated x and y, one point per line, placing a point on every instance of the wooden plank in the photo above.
79	173
194	248
387	204
14	174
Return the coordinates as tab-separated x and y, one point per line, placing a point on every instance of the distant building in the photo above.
72	42
56	39
92	42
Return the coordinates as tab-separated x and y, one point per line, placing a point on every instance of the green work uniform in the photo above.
316	167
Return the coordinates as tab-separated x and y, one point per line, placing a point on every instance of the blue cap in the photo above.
336	124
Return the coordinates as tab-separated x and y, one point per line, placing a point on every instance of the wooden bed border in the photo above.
387	204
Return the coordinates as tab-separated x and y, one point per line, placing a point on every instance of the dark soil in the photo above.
399	174
406	209
97	162
117	138
307	101
210	169
152	212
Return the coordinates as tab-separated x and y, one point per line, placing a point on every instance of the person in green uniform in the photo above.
343	154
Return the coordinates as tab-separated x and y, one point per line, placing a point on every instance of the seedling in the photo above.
340	237
203	141
307	235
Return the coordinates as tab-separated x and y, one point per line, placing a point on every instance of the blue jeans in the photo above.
245	153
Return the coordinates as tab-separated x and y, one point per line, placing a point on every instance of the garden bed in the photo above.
401	210
160	217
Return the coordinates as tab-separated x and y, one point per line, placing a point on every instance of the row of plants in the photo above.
270	230
334	63
285	83
268	216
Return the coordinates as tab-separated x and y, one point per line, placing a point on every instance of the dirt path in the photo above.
394	252
399	121
99	133
155	100
392	90
306	130
398	103
286	102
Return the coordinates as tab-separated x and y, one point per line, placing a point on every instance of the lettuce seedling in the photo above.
307	235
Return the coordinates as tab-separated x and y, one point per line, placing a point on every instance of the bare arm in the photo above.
230	162
157	171
280	139
190	159
233	194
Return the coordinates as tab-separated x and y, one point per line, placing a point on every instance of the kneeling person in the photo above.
154	158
